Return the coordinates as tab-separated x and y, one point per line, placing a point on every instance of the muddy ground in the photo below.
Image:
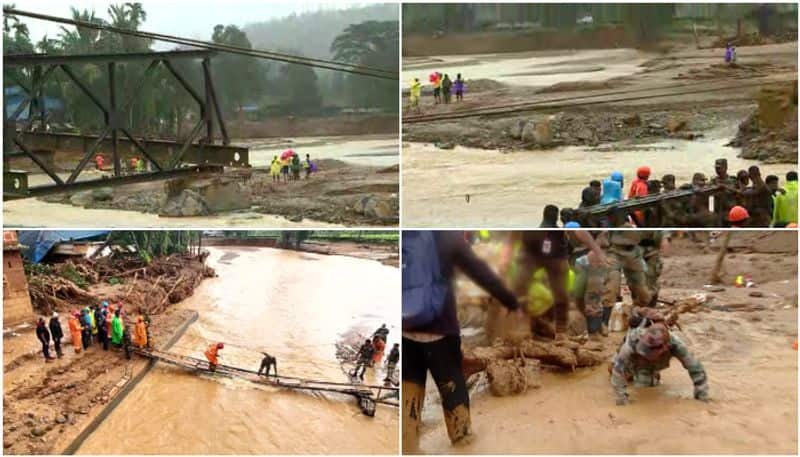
47	405
339	194
605	120
744	341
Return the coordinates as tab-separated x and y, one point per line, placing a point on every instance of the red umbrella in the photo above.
287	153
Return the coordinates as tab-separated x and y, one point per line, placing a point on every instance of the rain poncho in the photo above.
211	354
612	192
275	167
116	330
75	331
785	210
416	90
140	333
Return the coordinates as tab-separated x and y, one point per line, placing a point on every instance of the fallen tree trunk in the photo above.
565	354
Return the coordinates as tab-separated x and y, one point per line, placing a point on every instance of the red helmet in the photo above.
738	214
220	345
643	172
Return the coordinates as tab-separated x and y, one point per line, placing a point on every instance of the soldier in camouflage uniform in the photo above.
725	200
644	353
652	242
625	256
590	288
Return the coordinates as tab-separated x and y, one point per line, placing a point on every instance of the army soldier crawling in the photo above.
646	350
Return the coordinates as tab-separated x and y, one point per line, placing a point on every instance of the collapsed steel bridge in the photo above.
197	154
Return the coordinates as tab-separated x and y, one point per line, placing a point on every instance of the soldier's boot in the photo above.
605	319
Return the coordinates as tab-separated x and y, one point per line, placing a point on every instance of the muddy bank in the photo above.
743	339
589	126
339	193
47	406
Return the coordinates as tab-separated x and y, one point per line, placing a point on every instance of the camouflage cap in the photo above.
721	162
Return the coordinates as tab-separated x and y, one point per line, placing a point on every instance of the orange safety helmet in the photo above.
220	345
738	214
643	172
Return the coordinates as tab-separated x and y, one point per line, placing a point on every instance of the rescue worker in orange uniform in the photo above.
380	346
212	355
140	333
75	329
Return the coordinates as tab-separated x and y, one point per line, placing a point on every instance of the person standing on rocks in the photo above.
76	331
56	333
44	337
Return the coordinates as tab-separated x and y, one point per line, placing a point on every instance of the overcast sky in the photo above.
187	18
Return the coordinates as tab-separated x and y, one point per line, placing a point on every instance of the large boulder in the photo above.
515	131
186	204
375	208
88	197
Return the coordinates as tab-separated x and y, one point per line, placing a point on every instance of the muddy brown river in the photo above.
294	306
511	190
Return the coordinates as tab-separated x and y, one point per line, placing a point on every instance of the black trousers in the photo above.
57	344
443	358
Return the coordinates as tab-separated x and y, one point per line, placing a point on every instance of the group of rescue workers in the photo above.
371	353
443	89
105	324
744	200
582	267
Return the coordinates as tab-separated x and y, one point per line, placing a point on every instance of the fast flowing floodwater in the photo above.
377	150
531	68
292	305
31	212
511	190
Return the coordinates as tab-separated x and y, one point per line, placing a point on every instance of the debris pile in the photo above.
570	353
146	287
